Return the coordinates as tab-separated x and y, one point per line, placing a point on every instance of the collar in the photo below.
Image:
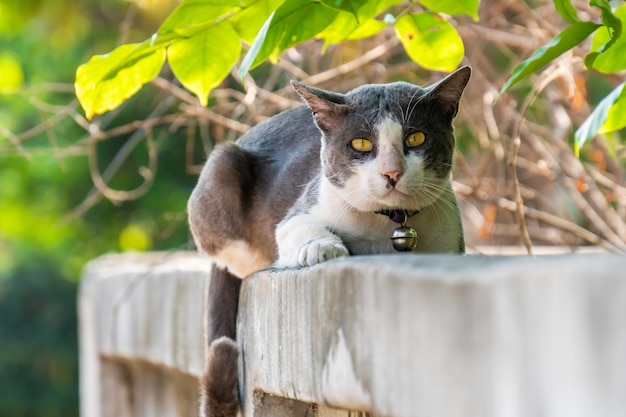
398	215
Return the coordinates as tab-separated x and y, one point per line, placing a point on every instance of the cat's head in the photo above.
390	145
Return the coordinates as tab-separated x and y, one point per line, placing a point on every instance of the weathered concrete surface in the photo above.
441	335
401	336
141	334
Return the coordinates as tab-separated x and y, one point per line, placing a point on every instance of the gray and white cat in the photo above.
332	179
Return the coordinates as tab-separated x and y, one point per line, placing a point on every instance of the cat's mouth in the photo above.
394	198
395	191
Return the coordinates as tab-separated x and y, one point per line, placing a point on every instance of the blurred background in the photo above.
72	189
51	220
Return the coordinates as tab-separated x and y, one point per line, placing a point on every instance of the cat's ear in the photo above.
327	106
448	91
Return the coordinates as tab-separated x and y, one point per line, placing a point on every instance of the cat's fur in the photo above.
293	192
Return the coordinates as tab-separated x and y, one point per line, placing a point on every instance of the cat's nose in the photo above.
392	177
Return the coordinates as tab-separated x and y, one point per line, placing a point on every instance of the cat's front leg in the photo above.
303	241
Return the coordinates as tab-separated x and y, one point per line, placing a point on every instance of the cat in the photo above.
334	178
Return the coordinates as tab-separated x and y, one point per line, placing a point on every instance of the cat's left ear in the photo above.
327	106
448	91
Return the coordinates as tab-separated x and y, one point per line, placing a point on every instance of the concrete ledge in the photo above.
388	335
141	334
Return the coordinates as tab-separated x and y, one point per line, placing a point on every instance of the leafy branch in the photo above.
606	55
202	41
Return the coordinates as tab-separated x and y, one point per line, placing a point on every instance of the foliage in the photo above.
607	55
39	349
187	38
44	178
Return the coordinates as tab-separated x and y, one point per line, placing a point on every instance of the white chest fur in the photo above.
333	227
366	232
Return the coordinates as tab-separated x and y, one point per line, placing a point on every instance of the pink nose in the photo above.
393	175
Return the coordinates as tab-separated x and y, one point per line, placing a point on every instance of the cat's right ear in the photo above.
448	91
327	106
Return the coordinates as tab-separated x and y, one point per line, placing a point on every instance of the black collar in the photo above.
397	215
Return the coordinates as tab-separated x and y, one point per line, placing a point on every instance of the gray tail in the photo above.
219	380
219	391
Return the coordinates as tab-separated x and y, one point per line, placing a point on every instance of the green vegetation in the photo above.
274	26
606	55
46	233
186	39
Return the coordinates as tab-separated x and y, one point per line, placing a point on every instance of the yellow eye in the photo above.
361	145
415	139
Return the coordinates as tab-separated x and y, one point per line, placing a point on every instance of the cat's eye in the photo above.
415	139
361	145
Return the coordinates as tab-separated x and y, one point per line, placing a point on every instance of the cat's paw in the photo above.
320	250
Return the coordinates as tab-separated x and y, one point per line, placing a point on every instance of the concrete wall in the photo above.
403	335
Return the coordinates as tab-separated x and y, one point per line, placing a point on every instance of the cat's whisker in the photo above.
413	104
368	122
402	113
447	205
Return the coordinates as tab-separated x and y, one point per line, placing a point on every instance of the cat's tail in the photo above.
219	393
219	380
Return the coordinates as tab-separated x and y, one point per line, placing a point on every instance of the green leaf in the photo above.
607	16
200	63
11	75
561	43
105	81
430	41
366	29
608	44
197	12
567	11
347	26
253	52
250	19
350	6
339	30
597	118
293	22
453	7
616	118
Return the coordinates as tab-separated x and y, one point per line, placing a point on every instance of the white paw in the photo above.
320	250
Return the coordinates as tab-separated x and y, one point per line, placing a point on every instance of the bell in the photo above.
404	239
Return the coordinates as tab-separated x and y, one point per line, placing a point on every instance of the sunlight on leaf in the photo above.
248	22
561	43
453	7
339	30
347	26
201	62
253	52
105	81
11	75
597	118
616	118
134	238
366	29
198	12
293	22
608	45
430	41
